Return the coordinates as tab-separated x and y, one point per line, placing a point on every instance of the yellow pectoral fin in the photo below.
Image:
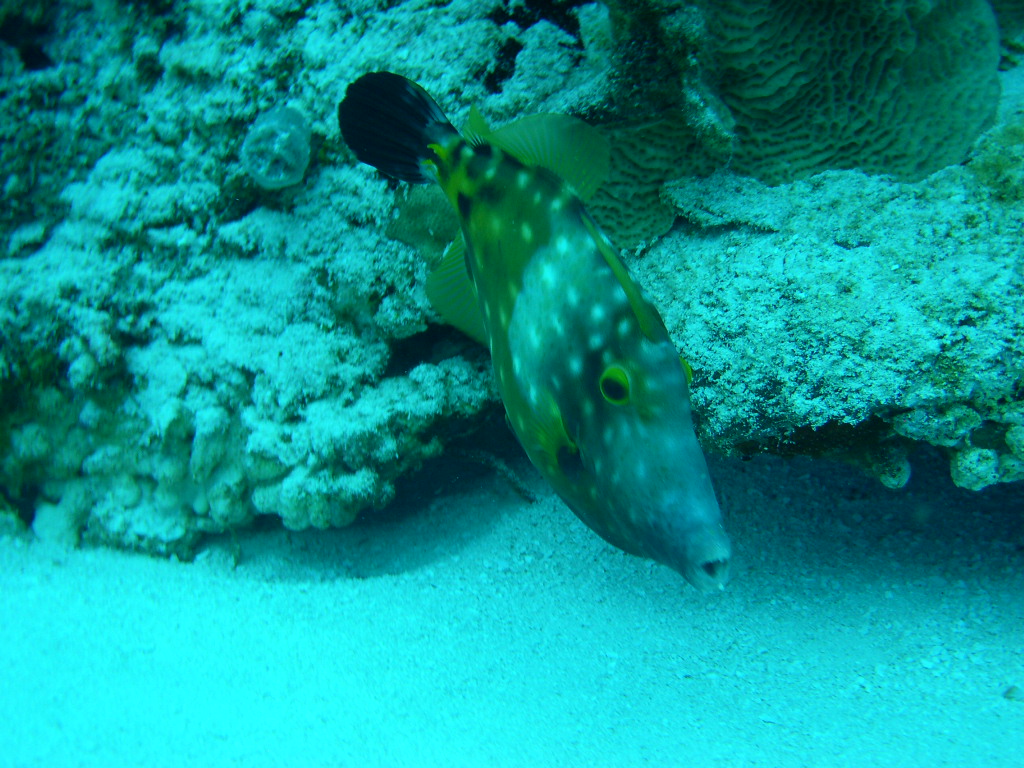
542	435
687	369
453	295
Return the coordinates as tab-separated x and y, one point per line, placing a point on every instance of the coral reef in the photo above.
182	352
886	86
183	349
849	315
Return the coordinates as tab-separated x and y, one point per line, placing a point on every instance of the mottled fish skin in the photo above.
591	381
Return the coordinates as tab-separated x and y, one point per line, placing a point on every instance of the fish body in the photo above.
591	382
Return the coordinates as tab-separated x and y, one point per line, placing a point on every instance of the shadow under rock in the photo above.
810	520
450	502
792	520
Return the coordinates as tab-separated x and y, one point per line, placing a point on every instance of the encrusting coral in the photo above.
181	351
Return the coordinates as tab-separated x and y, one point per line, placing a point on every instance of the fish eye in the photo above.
615	385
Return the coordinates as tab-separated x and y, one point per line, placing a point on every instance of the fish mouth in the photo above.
709	575
708	556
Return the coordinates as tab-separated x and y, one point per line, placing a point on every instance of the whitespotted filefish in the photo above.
591	382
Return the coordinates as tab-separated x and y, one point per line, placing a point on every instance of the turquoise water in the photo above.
260	505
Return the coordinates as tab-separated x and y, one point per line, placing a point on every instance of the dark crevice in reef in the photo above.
437	343
870	445
525	15
833	439
27	38
486	446
504	66
24	504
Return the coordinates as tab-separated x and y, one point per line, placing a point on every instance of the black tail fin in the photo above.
389	121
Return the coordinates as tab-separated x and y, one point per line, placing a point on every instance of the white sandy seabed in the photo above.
863	627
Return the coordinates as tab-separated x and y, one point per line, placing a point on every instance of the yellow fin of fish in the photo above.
687	369
452	294
565	145
546	432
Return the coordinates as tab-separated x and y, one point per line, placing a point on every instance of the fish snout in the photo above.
708	554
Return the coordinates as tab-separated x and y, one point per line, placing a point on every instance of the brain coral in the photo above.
886	86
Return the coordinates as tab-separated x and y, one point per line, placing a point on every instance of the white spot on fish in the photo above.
596	341
537	197
557	203
597	313
572	296
576	365
547	275
522	179
625	327
491	172
527	232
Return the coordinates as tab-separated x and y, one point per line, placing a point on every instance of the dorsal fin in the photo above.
452	293
476	130
565	145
